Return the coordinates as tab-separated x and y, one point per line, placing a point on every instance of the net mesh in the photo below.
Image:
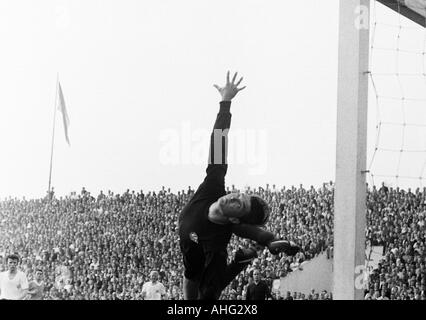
397	152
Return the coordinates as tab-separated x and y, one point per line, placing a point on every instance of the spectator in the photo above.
36	286
258	290
288	296
13	283
153	290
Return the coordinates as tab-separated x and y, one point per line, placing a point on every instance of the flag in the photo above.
63	109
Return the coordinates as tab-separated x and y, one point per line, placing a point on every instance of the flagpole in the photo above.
53	133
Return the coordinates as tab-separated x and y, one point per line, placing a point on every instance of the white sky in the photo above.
133	72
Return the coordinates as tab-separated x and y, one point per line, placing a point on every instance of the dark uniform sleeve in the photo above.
253	232
214	182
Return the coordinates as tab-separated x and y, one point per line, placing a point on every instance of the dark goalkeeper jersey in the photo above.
194	224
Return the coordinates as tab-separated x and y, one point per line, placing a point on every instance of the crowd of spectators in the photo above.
104	247
396	221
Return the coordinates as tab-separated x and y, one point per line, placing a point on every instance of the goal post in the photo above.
351	148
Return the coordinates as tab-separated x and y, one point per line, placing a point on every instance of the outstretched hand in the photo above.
230	90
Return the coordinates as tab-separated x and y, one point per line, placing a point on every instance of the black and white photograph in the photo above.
219	156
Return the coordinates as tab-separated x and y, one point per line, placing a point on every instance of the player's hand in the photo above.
230	90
